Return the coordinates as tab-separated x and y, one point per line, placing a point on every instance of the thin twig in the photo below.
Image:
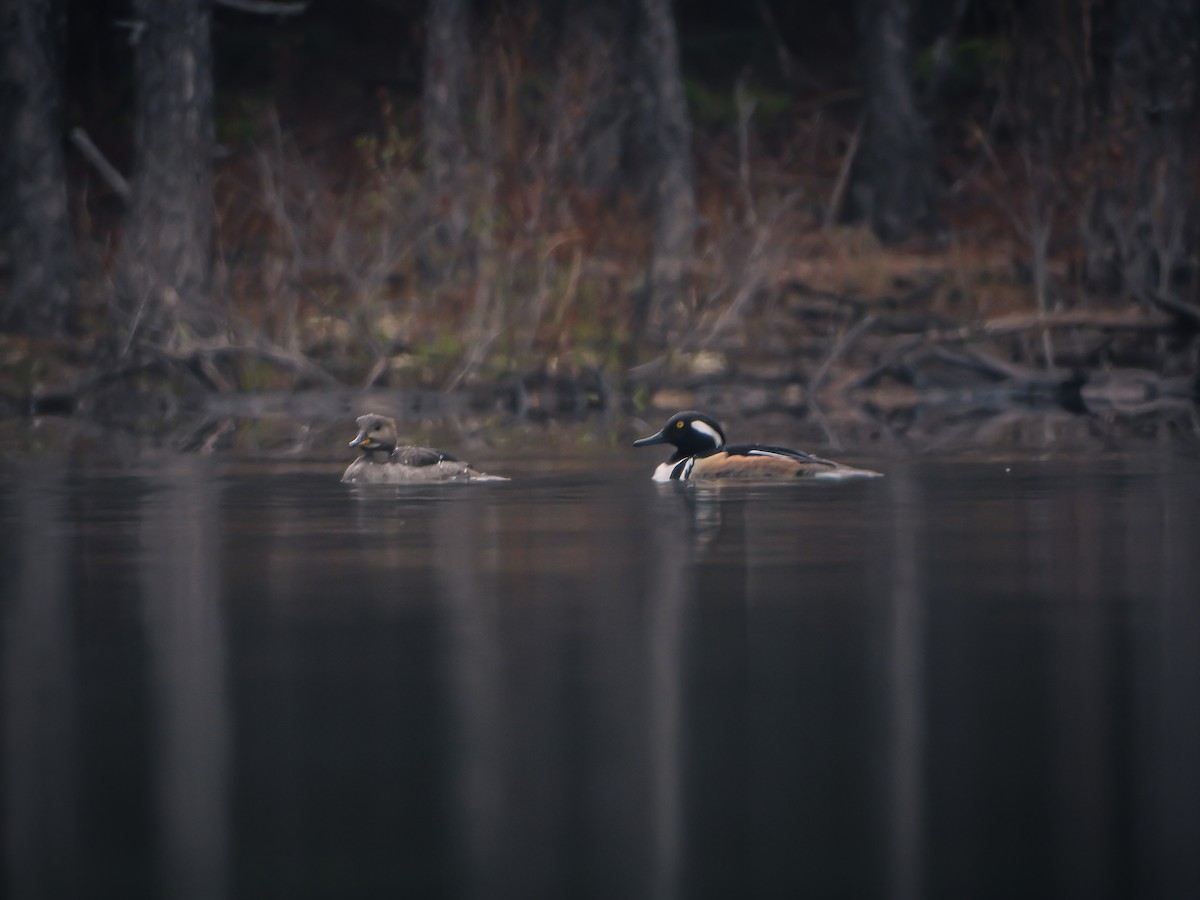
1041	224
1001	197
781	50
843	178
993	367
107	170
831	437
757	270
885	364
745	109
861	327
280	357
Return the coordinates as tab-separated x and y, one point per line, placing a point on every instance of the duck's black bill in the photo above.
653	439
361	439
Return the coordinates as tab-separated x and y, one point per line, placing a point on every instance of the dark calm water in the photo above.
969	679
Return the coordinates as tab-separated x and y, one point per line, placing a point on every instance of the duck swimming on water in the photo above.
382	462
700	453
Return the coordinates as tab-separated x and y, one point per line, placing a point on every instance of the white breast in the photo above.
663	472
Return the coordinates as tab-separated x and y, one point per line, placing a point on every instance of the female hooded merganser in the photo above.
382	462
700	452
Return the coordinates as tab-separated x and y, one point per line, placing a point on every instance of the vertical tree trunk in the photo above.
596	58
165	276
446	53
41	295
634	131
892	184
1156	89
666	154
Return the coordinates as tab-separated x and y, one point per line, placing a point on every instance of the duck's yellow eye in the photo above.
678	424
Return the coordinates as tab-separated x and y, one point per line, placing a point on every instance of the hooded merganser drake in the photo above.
700	452
382	462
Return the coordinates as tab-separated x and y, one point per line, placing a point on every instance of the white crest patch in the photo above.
708	431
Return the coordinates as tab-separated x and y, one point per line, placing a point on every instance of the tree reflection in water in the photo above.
186	634
41	767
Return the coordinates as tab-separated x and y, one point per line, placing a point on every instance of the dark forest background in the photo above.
828	198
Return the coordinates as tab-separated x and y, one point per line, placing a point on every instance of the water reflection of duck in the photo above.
382	462
700	453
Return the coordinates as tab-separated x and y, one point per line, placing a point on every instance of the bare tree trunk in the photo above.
634	133
893	176
666	159
41	295
446	54
165	270
1156	90
598	40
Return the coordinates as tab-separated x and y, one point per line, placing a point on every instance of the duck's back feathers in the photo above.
421	456
750	463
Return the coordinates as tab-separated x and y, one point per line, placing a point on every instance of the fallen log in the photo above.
1019	323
